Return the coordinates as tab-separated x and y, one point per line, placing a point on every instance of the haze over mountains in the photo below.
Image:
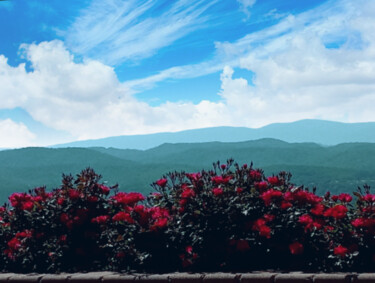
316	131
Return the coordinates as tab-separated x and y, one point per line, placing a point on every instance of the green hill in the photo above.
336	168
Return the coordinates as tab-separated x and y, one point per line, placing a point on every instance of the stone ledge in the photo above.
253	277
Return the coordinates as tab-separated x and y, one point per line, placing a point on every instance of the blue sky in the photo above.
74	70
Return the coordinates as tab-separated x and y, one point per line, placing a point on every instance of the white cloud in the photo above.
245	6
14	135
129	32
87	100
295	77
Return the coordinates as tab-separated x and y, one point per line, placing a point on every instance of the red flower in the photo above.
27	205
340	250
100	219
221	180
358	222
334	198
345	197
104	189
162	182
318	209
217	191
128	198
369	198
338	211
239	190
305	219
24	234
260	226
223	166
14	243
285	204
302	197
296	248
160	223
269	195
22	200
189	249
274	180
158	212
261	186
122	216
73	194
255	175
265	231
60	201
188	193
194	176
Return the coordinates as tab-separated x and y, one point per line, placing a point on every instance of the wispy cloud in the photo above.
116	31
246	5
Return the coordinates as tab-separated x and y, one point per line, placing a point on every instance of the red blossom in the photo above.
128	198
100	219
14	243
318	209
104	189
158	212
261	186
296	248
239	190
369	198
60	201
269	195
189	249
255	175
73	194
345	197
302	197
188	193
221	180
194	176
122	216
340	250
24	234
285	204
260	226
334	198
273	180
162	182
217	191
338	211
160	223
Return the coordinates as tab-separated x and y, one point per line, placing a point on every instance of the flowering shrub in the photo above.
231	218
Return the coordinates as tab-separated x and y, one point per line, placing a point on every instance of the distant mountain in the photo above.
316	131
339	168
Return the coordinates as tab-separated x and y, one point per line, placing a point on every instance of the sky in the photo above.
76	70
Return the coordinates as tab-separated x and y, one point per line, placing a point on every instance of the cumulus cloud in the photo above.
14	135
87	100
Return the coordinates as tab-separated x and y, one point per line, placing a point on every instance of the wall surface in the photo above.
255	277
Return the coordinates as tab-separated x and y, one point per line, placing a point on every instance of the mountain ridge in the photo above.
317	131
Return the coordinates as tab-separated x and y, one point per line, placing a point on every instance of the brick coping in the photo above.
253	277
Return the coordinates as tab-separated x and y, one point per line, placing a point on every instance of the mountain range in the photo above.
316	131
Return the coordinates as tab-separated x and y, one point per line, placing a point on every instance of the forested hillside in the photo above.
338	168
